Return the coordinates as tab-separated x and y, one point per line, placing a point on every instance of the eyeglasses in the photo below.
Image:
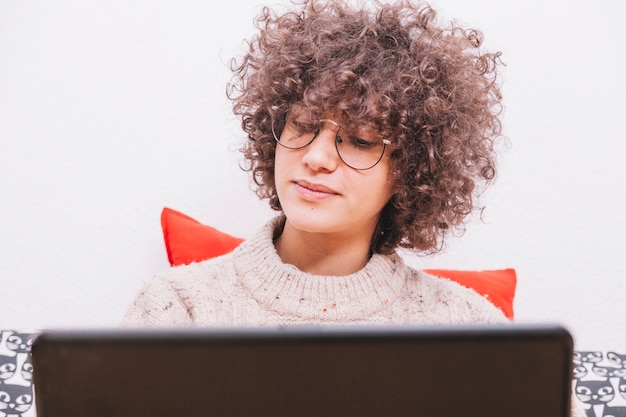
360	150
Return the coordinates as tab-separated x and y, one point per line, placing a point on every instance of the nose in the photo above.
321	154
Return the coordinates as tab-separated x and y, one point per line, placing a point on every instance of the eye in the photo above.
7	367
580	370
24	399
14	342
301	121
605	391
362	136
583	391
362	143
615	358
298	132
304	126
357	142
27	372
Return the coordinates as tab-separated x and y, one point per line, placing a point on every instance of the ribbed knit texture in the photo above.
252	286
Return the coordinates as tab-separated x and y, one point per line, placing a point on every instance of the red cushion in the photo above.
187	241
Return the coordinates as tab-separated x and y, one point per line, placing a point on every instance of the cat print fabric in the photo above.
600	383
16	374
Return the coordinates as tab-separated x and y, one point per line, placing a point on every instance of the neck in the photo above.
326	254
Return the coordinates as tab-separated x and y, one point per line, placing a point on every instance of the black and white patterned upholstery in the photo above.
16	374
600	382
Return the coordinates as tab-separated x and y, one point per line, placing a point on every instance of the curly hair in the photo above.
431	88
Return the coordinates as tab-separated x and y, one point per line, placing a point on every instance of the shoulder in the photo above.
199	293
178	295
451	301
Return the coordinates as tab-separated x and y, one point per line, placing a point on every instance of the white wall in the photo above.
110	111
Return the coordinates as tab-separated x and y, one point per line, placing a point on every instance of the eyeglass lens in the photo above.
360	149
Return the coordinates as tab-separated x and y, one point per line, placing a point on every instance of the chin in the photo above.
311	222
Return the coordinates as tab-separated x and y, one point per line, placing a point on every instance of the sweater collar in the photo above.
289	291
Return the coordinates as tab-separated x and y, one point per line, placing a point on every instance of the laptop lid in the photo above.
507	370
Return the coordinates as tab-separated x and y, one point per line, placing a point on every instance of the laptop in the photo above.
434	371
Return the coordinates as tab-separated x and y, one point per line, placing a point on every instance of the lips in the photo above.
310	190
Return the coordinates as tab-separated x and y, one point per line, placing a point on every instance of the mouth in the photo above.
314	191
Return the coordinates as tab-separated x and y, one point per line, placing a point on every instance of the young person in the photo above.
369	127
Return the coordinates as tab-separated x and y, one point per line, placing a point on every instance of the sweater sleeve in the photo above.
158	304
451	302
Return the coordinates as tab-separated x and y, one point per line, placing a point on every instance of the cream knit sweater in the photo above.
253	287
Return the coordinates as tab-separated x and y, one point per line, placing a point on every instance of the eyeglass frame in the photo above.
337	137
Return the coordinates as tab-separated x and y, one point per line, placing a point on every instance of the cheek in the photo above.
283	167
388	190
389	185
377	188
279	163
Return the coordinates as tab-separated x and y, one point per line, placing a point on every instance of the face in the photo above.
319	192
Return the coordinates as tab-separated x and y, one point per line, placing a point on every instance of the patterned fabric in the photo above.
16	374
599	382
